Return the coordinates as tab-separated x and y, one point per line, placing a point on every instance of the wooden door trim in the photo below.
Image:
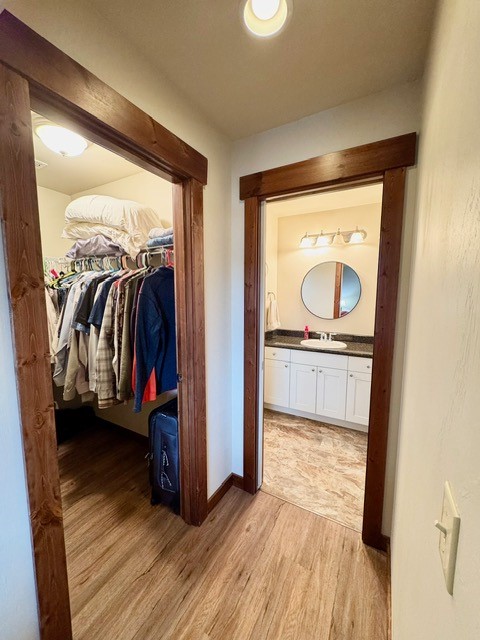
359	163
33	72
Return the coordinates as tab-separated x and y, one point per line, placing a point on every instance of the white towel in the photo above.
272	319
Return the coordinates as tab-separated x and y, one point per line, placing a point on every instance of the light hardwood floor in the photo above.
258	569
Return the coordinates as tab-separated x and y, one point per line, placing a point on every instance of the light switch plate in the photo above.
449	526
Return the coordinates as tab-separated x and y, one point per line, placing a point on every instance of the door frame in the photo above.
384	161
35	74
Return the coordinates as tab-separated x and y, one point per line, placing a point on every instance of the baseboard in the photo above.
317	418
237	481
233	480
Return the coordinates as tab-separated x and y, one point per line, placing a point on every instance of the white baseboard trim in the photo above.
314	416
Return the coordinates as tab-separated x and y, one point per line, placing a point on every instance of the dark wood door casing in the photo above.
35	74
386	161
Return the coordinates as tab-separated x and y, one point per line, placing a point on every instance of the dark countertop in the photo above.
358	349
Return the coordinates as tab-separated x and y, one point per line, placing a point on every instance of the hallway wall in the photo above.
439	435
382	115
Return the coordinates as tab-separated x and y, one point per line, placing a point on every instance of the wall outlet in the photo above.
449	527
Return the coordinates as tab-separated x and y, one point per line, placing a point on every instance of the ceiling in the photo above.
331	52
328	201
96	166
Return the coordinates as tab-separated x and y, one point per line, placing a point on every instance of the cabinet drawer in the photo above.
360	365
320	359
272	353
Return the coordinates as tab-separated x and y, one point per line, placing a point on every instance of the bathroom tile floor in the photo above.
315	466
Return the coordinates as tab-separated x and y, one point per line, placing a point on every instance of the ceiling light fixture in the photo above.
60	140
338	237
265	18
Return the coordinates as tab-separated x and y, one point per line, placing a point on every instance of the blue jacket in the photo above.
155	338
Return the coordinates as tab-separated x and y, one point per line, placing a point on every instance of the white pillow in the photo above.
125	215
84	230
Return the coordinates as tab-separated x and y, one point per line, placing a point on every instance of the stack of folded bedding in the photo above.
123	222
159	237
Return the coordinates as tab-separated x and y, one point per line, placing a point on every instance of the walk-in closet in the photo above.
109	257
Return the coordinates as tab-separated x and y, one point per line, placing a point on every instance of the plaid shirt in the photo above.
105	377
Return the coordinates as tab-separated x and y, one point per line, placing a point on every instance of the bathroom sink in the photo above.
315	343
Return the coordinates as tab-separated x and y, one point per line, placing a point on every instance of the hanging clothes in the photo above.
98	320
155	336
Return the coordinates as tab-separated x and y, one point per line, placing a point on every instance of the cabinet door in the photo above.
358	397
303	387
277	382
331	393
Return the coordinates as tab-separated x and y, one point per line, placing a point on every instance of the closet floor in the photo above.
259	568
316	466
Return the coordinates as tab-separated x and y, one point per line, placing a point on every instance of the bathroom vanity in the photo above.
328	386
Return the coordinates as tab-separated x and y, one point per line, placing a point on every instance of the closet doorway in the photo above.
382	162
35	75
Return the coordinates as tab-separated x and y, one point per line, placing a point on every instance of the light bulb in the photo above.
265	9
306	242
62	141
357	237
323	240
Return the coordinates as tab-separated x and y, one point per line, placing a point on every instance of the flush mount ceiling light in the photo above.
265	18
338	237
60	140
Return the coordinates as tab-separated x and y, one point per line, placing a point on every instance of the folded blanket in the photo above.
128	216
84	231
99	245
160	242
158	232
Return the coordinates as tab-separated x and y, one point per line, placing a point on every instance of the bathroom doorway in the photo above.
320	283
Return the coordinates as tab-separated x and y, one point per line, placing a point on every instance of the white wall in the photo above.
383	115
294	263
51	206
18	604
79	30
143	187
440	435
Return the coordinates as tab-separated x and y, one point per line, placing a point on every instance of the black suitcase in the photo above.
164	455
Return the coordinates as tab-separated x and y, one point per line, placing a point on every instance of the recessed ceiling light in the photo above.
265	18
60	140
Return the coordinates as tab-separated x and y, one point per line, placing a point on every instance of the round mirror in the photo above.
331	290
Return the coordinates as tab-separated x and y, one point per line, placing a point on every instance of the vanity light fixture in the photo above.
265	18
59	139
332	237
323	240
307	242
357	236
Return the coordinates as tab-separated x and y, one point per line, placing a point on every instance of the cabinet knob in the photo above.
351	375
286	366
368	366
274	353
313	369
319	371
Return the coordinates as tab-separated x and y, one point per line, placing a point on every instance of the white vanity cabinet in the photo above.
331	392
277	377
323	385
303	384
358	390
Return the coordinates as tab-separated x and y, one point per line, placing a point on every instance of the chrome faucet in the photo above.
330	335
322	335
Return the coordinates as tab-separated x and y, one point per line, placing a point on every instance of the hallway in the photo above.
259	568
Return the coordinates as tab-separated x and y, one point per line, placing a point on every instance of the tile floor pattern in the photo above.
316	466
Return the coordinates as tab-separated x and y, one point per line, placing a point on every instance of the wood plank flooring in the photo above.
259	568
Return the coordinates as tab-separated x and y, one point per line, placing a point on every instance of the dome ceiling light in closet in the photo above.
59	139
